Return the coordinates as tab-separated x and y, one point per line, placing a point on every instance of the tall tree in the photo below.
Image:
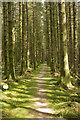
75	38
79	29
27	50
20	30
70	39
52	37
5	38
47	33
64	65
10	41
57	38
23	40
34	58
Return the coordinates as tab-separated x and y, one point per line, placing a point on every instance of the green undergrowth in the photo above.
65	103
18	100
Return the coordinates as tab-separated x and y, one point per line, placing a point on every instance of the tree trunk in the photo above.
34	58
20	31
23	40
52	39
5	39
70	39
64	66
75	38
47	36
27	57
10	42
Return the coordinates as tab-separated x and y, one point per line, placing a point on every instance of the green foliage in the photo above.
18	100
32	34
63	102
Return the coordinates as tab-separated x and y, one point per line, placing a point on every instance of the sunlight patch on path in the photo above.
45	78
41	90
46	110
39	104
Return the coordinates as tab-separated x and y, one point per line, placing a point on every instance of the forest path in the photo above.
41	103
35	95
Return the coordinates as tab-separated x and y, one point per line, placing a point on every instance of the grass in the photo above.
18	100
65	103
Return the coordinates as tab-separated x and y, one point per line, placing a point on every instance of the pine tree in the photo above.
52	37
64	65
70	39
5	38
27	50
47	33
34	58
75	50
23	67
20	31
10	42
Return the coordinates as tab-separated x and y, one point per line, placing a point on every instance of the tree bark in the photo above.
10	42
75	38
5	39
23	40
64	65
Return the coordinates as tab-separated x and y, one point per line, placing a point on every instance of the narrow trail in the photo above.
41	104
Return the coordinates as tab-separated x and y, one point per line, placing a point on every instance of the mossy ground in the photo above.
18	100
64	102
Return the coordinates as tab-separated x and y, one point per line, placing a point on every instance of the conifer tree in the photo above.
10	42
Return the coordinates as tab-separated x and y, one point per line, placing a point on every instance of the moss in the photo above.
62	100
18	101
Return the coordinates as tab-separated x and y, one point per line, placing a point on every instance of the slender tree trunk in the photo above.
27	57
58	37
10	41
31	45
79	36
23	40
67	17
34	59
54	35
70	39
52	39
47	36
5	38
75	38
20	31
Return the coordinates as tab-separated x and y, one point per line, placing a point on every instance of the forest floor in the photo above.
36	95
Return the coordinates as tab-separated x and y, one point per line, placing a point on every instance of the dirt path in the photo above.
41	104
